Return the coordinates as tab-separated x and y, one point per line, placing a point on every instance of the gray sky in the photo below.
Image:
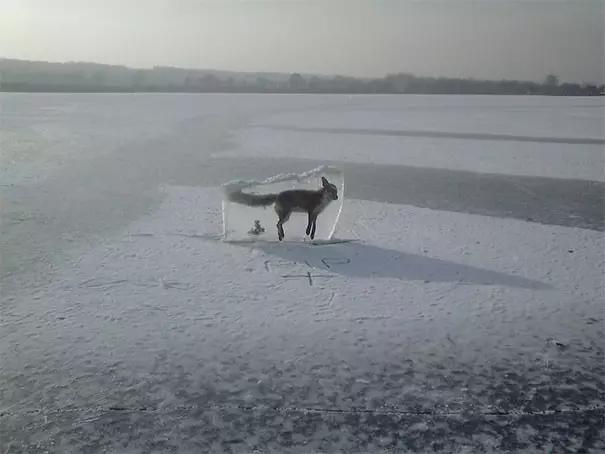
515	39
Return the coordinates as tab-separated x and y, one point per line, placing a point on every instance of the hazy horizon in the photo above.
483	39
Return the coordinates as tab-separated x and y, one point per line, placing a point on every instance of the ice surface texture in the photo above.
246	223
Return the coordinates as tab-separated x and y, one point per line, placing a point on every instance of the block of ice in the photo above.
242	222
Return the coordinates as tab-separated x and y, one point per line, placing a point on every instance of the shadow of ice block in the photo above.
245	223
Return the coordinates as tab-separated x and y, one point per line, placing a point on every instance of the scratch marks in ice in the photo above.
309	276
330	261
294	268
100	284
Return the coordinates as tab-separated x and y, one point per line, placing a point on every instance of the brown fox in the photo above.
297	200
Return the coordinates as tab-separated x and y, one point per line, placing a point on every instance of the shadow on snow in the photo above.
356	259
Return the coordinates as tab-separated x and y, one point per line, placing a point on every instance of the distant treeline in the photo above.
25	76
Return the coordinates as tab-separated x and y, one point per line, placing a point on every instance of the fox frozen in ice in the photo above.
297	200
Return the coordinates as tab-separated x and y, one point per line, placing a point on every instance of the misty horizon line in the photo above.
285	73
89	77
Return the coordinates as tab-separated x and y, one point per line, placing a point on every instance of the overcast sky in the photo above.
514	39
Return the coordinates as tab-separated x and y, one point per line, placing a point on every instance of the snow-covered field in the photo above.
127	325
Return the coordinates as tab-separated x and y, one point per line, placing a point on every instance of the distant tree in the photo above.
138	78
296	82
590	90
551	80
209	83
75	78
99	77
315	83
400	82
262	83
568	89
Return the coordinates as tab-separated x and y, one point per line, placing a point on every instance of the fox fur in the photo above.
295	200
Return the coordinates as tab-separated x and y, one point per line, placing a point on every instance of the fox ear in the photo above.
325	182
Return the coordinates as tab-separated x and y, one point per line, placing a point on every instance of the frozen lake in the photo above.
465	316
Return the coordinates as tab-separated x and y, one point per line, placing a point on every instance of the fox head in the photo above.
329	189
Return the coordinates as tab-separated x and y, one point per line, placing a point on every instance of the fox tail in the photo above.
253	200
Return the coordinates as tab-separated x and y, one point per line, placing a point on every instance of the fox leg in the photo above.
283	218
309	223
313	227
280	230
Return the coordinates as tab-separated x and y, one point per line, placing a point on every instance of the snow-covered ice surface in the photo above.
128	325
571	135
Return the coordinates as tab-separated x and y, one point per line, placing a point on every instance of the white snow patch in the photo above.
417	282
